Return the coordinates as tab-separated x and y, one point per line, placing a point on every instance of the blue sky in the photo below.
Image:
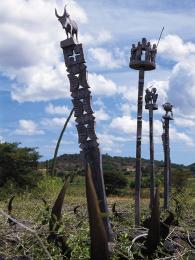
34	90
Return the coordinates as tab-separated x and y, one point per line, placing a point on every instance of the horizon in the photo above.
34	90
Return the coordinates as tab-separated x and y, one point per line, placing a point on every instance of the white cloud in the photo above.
128	126
180	137
106	58
1	140
95	39
59	110
29	48
28	127
41	83
173	48
102	86
184	122
110	143
101	115
180	87
55	122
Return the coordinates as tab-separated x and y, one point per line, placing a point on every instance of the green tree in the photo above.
18	164
180	178
113	178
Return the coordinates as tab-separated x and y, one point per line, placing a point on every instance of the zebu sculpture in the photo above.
69	25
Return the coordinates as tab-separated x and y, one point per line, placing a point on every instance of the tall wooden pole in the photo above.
152	174
167	161
141	62
138	147
150	99
85	122
166	165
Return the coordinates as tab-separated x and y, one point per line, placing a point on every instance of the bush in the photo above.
180	178
18	165
114	179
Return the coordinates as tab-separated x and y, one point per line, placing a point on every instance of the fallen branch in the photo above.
192	245
29	229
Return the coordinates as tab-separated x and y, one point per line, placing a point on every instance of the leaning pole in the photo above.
166	146
85	120
150	104
142	59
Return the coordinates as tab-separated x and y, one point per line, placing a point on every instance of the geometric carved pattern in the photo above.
79	88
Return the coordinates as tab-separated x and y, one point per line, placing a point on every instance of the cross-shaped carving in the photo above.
74	55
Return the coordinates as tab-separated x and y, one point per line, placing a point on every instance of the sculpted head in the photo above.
63	17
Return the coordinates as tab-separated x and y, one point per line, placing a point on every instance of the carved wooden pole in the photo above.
142	63
167	178
79	88
151	98
138	146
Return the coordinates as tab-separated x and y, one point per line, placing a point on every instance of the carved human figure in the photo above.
148	97
133	52
144	43
153	53
154	95
148	52
168	109
138	51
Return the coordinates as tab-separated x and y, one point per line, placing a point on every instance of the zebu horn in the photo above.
64	10
56	13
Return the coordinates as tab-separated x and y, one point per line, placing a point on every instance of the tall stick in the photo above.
166	165
152	182
160	37
138	147
58	143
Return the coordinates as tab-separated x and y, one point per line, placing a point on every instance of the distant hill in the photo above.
71	162
192	168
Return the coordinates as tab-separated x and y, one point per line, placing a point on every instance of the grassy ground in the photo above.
29	209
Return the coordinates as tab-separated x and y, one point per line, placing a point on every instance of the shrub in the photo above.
18	165
114	179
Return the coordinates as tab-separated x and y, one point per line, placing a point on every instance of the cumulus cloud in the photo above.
55	122
96	38
180	87
59	110
101	85
128	125
110	143
101	115
28	127
181	137
1	140
40	83
29	48
173	48
106	58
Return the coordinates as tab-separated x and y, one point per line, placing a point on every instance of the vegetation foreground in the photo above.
33	209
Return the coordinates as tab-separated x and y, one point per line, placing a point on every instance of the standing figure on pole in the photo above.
139	62
150	99
166	146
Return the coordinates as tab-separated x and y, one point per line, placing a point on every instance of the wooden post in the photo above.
152	174
81	99
141	62
138	147
166	165
167	161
